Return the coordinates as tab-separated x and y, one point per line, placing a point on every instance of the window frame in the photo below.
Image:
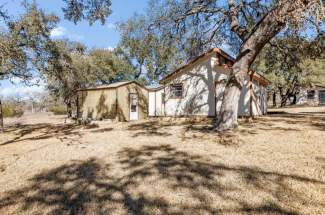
131	104
172	95
309	97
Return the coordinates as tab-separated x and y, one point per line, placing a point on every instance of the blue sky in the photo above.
97	35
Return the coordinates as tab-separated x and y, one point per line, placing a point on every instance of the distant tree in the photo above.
63	79
151	54
291	63
12	106
246	25
72	67
24	41
22	45
107	66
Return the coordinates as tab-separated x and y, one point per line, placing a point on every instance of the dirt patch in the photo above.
272	165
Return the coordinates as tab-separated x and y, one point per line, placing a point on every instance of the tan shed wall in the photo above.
98	104
112	103
123	101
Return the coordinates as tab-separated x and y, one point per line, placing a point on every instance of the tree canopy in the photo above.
25	43
91	10
170	33
292	63
151	54
71	67
246	26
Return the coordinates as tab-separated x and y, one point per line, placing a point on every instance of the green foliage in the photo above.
91	10
10	110
151	54
292	62
59	110
315	70
24	43
107	66
71	67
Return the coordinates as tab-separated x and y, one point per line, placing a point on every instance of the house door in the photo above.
134	109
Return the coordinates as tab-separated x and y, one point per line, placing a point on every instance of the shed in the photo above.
125	101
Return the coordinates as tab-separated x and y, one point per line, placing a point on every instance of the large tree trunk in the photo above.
262	33
229	108
69	109
1	118
284	101
294	101
77	107
274	99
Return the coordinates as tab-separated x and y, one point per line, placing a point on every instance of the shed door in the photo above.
322	97
134	109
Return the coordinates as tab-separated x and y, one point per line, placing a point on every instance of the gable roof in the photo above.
112	85
218	52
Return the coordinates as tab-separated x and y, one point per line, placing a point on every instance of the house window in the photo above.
176	91
134	104
311	94
222	61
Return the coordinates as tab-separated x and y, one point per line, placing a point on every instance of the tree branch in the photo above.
234	23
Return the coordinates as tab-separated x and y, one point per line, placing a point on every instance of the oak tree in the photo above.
247	26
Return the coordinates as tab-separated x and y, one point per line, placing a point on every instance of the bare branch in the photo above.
234	23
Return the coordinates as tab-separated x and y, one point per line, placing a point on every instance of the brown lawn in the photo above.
273	165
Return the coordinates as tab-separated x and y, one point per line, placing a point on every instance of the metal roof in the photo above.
108	86
214	50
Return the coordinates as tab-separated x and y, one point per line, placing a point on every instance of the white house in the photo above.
197	88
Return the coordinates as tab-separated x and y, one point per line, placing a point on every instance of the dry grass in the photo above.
273	165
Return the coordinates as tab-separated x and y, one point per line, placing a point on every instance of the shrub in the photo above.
12	111
59	110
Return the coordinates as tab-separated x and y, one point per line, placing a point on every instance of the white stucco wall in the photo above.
151	100
259	102
198	91
244	100
203	90
156	106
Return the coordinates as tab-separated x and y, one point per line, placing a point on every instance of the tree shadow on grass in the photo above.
208	132
78	188
175	181
208	182
315	120
43	130
102	130
149	128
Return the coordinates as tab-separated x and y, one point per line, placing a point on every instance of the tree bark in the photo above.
274	99
269	26
294	101
285	97
284	100
69	109
77	106
1	118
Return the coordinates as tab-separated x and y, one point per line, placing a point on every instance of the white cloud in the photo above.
111	26
62	32
58	32
22	91
17	88
110	48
